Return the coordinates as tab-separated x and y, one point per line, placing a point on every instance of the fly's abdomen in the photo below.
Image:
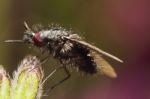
80	58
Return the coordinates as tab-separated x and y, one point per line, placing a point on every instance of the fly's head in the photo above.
29	37
33	38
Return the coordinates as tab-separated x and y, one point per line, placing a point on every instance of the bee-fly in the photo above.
70	49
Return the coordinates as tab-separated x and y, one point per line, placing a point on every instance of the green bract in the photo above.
26	82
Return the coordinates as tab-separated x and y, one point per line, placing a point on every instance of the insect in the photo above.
70	49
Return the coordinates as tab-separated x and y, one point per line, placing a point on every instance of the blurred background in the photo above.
120	27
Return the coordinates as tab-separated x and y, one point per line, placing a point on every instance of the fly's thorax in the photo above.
53	35
51	39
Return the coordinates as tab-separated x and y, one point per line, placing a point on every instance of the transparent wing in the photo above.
94	48
102	65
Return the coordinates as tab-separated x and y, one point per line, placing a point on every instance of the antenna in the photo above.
26	25
19	41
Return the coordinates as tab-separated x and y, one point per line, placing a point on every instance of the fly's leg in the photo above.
51	74
46	57
64	79
43	51
59	82
44	60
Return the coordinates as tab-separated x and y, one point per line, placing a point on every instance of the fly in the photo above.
70	49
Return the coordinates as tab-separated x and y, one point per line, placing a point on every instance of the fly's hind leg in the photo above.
64	79
59	82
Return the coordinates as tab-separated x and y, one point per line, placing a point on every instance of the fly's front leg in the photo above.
47	56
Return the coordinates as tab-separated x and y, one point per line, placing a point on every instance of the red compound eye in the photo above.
37	39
